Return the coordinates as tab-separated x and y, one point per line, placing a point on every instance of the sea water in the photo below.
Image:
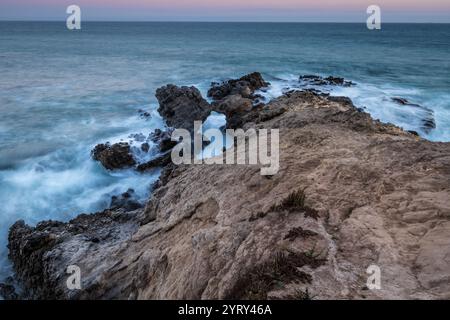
62	92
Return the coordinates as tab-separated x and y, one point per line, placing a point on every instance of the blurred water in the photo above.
61	92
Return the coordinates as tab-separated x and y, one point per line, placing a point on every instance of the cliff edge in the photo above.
350	193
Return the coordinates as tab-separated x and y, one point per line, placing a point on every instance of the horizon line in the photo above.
225	21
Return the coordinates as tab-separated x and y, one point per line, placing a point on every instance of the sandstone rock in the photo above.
351	192
112	157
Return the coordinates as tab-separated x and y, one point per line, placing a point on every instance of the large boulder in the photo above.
113	157
245	86
181	106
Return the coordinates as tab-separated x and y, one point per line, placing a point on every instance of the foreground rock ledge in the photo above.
351	192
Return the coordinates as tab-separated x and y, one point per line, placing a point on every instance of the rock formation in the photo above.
351	192
112	157
181	106
245	87
320	81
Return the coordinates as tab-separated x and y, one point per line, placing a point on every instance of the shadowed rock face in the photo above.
235	107
181	106
112	157
351	192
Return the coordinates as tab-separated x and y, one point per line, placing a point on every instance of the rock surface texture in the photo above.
116	156
181	106
245	86
351	192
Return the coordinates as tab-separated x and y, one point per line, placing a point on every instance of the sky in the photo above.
229	10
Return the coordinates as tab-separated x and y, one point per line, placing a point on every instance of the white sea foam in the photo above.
64	183
377	100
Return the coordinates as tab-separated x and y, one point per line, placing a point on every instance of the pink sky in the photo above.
294	10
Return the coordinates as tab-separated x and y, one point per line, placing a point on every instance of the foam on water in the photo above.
64	183
377	100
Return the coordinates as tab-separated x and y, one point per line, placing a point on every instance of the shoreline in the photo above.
194	240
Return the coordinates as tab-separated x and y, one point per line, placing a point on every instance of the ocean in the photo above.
62	92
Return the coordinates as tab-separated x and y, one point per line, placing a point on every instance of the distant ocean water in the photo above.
62	92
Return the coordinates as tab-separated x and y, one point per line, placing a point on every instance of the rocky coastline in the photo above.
351	192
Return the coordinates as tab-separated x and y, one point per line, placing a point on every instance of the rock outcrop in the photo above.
328	81
113	157
181	106
351	192
245	87
235	107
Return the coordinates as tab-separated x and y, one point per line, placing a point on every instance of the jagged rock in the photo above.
163	139
245	86
160	161
8	292
98	234
126	201
368	193
320	81
112	157
181	106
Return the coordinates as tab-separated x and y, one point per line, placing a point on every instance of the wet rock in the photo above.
138	137
181	106
426	114
163	139
113	157
159	161
144	114
156	135
401	101
126	200
145	147
8	292
245	86
328	81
